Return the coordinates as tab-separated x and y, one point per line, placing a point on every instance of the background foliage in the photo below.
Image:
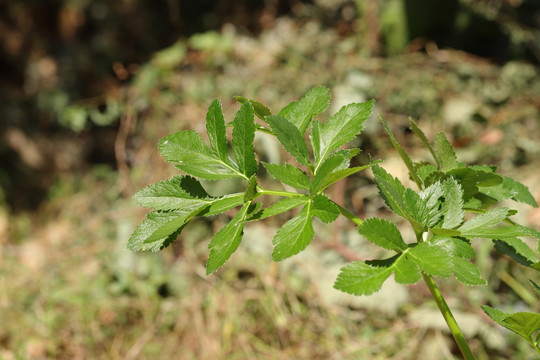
90	87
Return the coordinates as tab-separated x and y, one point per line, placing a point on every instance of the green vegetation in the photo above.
447	190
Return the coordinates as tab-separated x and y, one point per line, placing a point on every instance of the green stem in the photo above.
261	192
449	318
349	215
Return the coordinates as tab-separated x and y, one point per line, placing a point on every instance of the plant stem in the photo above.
349	215
448	317
261	192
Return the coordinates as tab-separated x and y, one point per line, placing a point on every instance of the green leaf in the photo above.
500	232
418	132
251	189
466	272
289	175
187	149
428	173
535	286
301	113
359	278
524	324
431	259
179	192
509	188
516	249
452	207
495	314
260	110
424	211
383	233
489	218
281	207
471	179
341	128
391	190
402	153
215	127
158	230
454	246
325	170
343	173
406	272
242	140
315	139
445	153
223	204
294	236
226	241
325	209
290	137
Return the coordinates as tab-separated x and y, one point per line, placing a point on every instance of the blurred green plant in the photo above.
447	190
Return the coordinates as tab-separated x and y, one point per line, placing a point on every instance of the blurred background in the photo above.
87	90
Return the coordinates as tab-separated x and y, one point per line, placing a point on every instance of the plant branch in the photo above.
448	317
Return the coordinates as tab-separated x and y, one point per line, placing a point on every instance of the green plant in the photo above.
447	190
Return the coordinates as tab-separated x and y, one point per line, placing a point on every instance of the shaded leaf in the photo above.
251	189
260	110
516	249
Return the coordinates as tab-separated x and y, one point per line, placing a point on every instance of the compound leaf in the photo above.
294	236
290	137
242	140
383	233
289	175
301	113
